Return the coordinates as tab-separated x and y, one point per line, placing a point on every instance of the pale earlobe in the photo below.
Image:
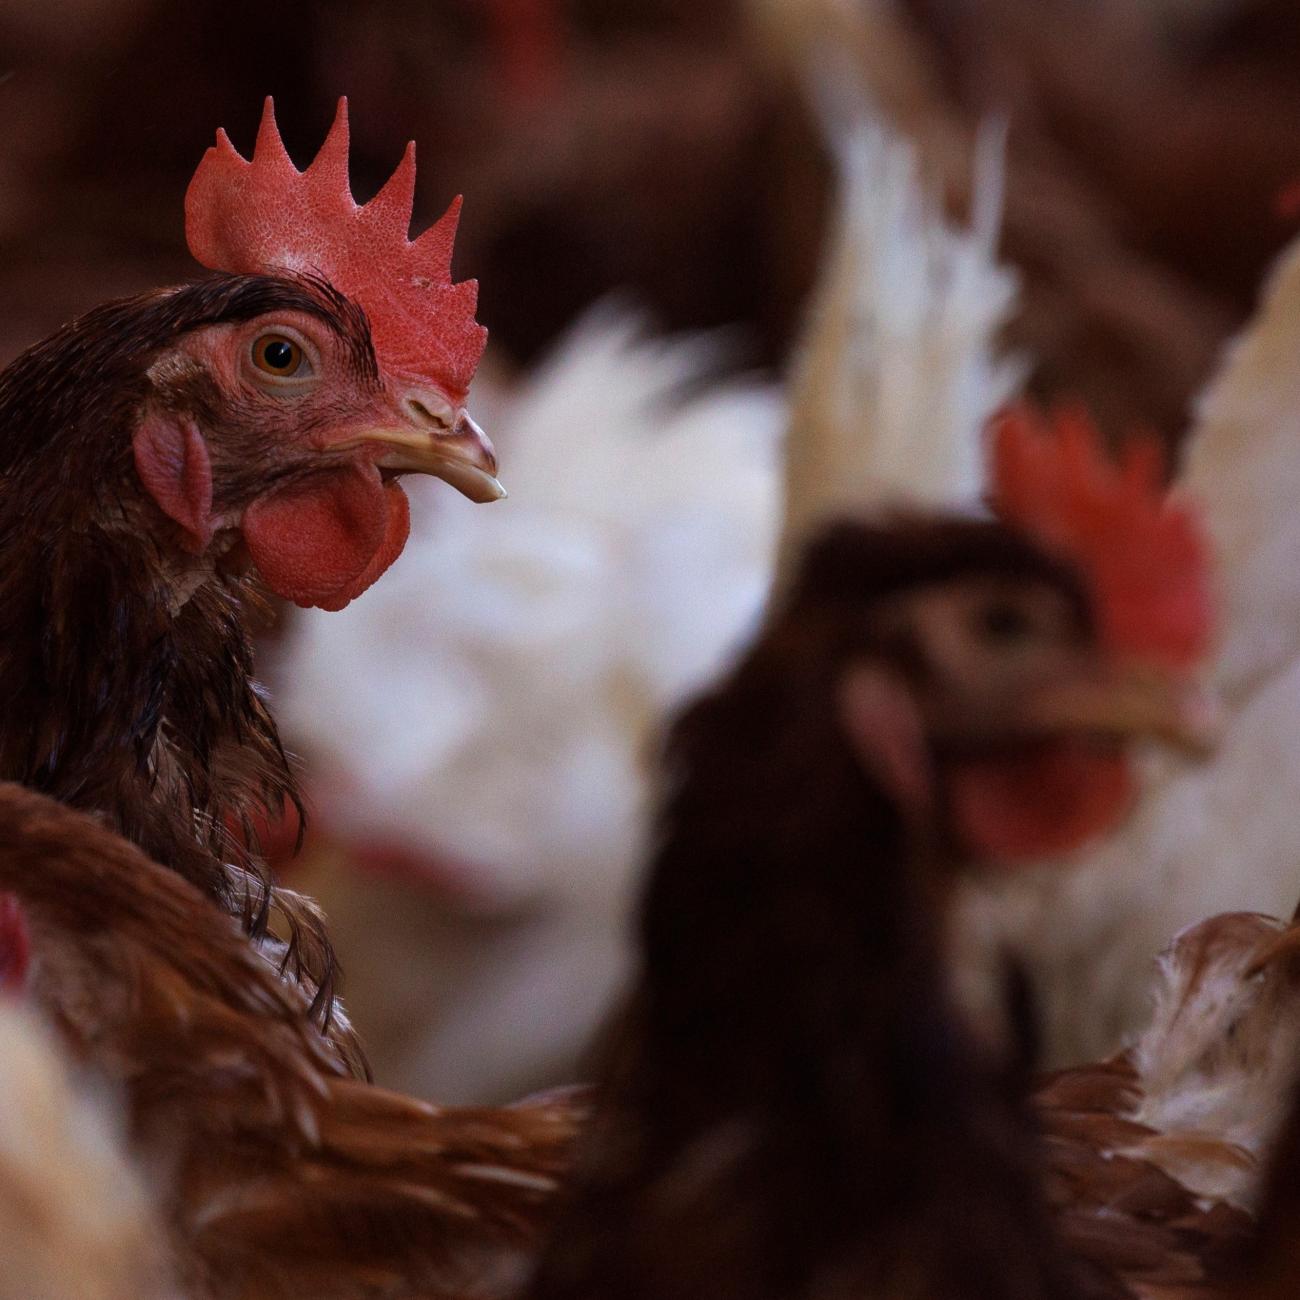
880	721
172	461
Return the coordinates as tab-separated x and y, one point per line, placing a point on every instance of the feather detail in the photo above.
283	1175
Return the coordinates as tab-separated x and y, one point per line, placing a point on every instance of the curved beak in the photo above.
1129	702
461	456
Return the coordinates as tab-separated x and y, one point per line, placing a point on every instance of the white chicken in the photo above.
484	721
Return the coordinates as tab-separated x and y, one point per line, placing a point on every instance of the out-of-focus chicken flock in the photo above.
830	831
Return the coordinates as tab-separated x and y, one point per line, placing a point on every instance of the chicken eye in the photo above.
277	355
1004	622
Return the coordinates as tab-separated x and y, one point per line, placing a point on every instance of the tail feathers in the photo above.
899	370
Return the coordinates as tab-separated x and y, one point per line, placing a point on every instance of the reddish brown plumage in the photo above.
282	1175
126	657
162	451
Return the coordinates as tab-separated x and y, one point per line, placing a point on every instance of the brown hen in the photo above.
163	455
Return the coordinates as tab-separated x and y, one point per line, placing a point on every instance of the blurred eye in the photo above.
1004	622
279	356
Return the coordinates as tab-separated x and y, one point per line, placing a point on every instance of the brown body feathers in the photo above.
283	1176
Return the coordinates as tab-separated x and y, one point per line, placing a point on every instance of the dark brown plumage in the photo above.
792	1105
280	1174
123	639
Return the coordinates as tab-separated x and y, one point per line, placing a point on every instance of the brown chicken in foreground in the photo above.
793	1105
161	455
280	1175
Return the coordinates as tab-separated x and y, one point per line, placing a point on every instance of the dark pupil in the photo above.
1004	622
278	355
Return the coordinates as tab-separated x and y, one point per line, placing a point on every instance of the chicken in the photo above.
75	1217
280	1174
477	733
1205	837
792	1105
164	452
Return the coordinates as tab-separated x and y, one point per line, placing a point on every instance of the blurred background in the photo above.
648	195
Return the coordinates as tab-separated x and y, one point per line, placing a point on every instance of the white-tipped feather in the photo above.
898	372
493	702
74	1217
1218	1059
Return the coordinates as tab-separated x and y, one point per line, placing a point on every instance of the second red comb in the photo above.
1141	551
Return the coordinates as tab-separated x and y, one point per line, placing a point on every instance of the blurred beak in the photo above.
461	455
1137	701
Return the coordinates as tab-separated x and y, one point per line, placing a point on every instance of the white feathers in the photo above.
1243	468
490	701
492	704
74	1218
899	375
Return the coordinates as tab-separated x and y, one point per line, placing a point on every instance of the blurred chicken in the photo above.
509	763
1205	837
792	1106
278	1173
75	1218
477	731
164	453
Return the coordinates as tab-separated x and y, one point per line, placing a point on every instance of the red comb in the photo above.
252	216
1143	555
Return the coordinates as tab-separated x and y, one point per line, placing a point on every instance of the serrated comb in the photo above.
1141	552
262	214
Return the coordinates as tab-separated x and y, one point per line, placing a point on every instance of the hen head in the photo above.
989	675
330	356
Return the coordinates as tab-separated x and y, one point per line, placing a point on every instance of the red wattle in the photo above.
1031	806
397	529
322	543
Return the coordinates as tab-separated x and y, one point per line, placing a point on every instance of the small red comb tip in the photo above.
268	148
436	243
15	946
1142	554
392	206
329	169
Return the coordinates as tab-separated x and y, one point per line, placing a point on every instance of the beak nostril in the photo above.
423	416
